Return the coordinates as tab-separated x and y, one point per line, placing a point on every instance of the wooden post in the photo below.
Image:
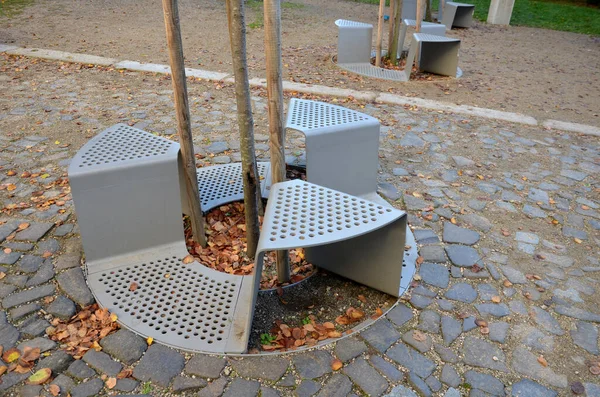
420	4
379	34
250	177
391	27
397	16
428	17
272	23
441	9
182	112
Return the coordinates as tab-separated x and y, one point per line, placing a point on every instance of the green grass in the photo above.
564	16
10	8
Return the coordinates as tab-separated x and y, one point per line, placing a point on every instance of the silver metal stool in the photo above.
437	54
458	15
354	41
435	29
125	187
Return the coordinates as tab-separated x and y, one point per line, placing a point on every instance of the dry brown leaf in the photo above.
54	389
149	340
133	286
11	355
496	299
336	364
420	260
507	283
111	383
484	330
481	323
7	250
2	275
23	226
542	361
3	369
188	259
362	298
30	354
329	325
595	370
40	376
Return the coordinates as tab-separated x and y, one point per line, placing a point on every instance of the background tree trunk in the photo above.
397	16
428	16
272	21
182	112
237	38
379	34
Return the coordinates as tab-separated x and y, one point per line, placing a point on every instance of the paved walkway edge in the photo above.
308	88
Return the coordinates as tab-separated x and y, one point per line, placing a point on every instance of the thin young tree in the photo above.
428	16
250	177
419	15
272	23
391	27
379	34
397	15
182	112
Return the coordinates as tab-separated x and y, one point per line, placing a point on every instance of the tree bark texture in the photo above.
182	112
397	16
391	27
250	177
272	23
379	34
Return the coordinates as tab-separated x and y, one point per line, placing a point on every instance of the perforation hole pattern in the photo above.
173	299
354	24
124	143
310	115
306	211
223	183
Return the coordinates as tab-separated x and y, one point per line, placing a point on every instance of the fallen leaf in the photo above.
496	299
113	317
7	250
334	334
11	173
362	298
30	354
3	369
507	283
23	226
329	325
481	323
149	340
595	370
40	376
133	286
54	390
585	207
188	259
111	382
336	364
420	260
2	275
542	361
577	240
484	330
11	355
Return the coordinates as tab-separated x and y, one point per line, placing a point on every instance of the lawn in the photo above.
563	16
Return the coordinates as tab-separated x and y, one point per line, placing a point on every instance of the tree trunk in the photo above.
397	16
391	27
419	15
379	34
428	16
237	38
272	23
182	112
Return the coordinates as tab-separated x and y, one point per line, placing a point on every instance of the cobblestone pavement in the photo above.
507	219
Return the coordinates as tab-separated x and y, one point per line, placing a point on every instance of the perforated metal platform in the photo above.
347	235
369	70
345	23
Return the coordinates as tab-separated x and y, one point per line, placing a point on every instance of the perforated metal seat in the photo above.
354	41
437	54
342	145
353	237
125	187
435	29
457	15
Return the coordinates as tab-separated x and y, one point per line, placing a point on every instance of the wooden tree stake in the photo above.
397	15
272	23
391	27
182	112
379	34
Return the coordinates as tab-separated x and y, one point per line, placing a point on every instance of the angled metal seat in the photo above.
125	186
437	54
356	238
354	41
457	15
342	145
435	29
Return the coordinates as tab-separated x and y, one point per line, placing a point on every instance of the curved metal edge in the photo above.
459	73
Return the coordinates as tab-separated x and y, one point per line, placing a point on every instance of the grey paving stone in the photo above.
429	321
485	382
513	275
34	232
64	383
30	390
534	212
205	366
546	321
217	147
487	292
80	370
10	258
307	388
411	359
126	385
313	364
124	345
538	195
451	329
533	337
63	308
29	295
102	362
88	389
449	376
58	361
67	261
7	229
462	256
410	139
366	377
419	385
381	335
461	292
63	230
526	388
505	206
385	368
498	331
337	386
10	379
469	324
269	392
446	354
433	383
400	172
433	253
45	273
585	335
44	344
6	289
242	388
73	284
480	353
34	328
560	260
22	311
445	305
411	339
575	175
592	389
477	205
526	364
529	238
493	309
426	236
30	263
401	391
270	368
461	161
568	231
400	315
433	274
160	364
288	380
348	348
388	190
214	388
